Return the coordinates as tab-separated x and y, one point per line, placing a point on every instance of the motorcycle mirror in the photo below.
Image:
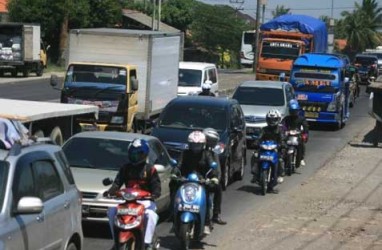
107	181
173	163
214	165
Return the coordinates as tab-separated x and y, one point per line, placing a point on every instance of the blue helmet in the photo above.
138	151
294	107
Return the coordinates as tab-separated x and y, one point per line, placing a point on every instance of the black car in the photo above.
367	67
189	113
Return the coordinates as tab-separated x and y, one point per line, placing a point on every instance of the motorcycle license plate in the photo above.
189	208
266	157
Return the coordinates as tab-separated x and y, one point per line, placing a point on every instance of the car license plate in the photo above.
311	114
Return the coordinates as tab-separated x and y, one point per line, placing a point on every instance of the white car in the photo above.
193	74
256	98
96	155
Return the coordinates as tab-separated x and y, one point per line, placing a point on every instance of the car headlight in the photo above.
117	119
189	192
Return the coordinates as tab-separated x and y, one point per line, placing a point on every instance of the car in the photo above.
367	67
183	115
39	202
96	155
256	98
193	74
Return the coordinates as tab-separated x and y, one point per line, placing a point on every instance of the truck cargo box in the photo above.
156	55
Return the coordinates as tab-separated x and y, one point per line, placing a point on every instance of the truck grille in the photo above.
314	106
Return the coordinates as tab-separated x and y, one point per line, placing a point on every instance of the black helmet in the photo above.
138	151
212	137
273	118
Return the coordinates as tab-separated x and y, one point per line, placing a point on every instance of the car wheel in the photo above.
225	174
71	246
239	175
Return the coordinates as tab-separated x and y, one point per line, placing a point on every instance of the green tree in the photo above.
280	10
178	13
360	27
217	29
57	17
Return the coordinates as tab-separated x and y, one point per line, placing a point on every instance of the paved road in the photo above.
241	198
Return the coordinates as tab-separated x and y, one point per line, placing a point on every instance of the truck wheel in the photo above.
56	136
25	72
39	69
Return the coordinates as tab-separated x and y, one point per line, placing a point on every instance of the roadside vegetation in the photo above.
212	32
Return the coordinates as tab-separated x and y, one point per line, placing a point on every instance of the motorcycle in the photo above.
191	208
293	153
129	222
268	159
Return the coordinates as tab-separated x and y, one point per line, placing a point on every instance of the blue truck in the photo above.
322	88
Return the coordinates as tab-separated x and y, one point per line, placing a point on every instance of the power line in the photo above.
292	9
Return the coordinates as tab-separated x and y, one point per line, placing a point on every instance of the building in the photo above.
3	10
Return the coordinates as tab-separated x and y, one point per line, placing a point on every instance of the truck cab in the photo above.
113	88
322	88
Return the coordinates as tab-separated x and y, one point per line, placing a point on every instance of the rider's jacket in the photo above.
198	162
144	175
272	133
295	123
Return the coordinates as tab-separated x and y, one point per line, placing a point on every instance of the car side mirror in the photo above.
29	205
134	84
160	168
54	82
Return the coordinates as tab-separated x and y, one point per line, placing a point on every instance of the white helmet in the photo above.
212	137
196	141
206	85
273	117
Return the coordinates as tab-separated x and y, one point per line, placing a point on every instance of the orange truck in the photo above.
285	38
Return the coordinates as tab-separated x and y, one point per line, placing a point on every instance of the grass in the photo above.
54	68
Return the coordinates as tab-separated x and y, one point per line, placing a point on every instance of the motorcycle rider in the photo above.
199	159
206	89
296	121
138	172
274	132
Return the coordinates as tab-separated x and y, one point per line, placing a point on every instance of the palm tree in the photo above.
361	25
280	10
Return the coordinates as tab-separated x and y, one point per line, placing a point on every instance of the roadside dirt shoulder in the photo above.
340	207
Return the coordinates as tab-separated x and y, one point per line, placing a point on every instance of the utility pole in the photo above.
255	46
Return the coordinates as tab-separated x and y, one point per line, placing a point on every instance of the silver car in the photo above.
96	155
256	98
40	206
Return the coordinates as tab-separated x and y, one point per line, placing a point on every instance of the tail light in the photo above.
304	137
374	65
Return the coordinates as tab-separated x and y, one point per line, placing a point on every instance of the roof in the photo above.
3	6
203	101
27	111
195	65
147	20
263	84
114	135
320	59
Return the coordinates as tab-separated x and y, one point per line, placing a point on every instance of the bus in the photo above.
246	51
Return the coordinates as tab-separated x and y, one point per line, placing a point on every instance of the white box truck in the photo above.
129	74
21	49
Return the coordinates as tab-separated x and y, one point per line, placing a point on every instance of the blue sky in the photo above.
313	8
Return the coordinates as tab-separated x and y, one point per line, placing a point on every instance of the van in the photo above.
193	74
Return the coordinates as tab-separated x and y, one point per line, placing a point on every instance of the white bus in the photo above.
246	51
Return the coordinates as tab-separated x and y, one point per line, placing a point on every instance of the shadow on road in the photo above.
254	189
96	230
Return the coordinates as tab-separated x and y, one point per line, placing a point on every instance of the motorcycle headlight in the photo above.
117	119
219	148
189	193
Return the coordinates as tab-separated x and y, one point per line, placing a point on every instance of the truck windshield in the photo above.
190	78
315	81
96	74
259	96
194	117
280	50
4	168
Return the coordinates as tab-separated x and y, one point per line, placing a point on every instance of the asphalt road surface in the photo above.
241	198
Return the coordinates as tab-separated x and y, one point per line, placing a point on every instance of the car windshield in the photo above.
4	168
259	96
96	74
96	153
194	117
190	78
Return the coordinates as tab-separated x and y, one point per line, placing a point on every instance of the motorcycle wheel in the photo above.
264	181
289	165
185	235
131	244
